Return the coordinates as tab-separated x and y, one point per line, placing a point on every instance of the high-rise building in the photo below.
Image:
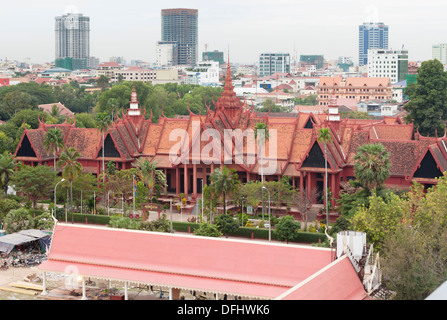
166	53
213	56
372	35
316	60
391	64
181	26
439	51
271	63
73	39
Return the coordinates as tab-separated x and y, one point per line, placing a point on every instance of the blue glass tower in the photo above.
372	35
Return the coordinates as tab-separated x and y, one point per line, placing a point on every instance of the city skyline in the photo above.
245	29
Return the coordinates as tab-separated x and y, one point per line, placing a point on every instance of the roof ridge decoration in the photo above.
228	100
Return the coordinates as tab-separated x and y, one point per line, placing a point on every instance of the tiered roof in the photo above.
134	136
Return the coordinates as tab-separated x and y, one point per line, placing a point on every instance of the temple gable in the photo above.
26	150
315	158
428	168
110	149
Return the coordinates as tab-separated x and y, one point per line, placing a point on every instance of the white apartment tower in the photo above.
439	51
72	36
391	64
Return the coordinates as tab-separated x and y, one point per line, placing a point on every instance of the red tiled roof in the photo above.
243	268
109	64
64	111
368	82
337	281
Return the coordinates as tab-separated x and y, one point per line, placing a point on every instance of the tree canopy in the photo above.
410	232
35	182
428	98
372	165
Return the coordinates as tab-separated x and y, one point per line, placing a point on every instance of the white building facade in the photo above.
135	74
271	63
205	73
166	53
439	51
391	64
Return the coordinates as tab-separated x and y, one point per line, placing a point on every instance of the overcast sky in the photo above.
131	28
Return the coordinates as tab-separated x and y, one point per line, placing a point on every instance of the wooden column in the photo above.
308	184
301	184
185	178
177	180
194	181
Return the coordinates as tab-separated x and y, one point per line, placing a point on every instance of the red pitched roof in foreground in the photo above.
244	268
337	281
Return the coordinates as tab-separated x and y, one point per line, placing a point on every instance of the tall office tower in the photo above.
270	63
372	35
73	40
180	25
439	51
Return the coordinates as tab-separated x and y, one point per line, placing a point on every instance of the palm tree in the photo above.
103	82
7	167
53	141
71	170
103	122
223	182
372	166
261	135
55	111
112	105
150	175
324	136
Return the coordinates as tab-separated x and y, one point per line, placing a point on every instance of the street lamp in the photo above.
54	209
242	213
170	209
201	218
270	222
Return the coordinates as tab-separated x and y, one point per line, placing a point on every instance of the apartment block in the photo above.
73	38
271	63
391	64
357	88
439	51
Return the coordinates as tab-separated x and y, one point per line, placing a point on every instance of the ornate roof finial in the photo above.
133	96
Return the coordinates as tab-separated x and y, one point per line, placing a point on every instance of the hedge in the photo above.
243	232
89	218
258	233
